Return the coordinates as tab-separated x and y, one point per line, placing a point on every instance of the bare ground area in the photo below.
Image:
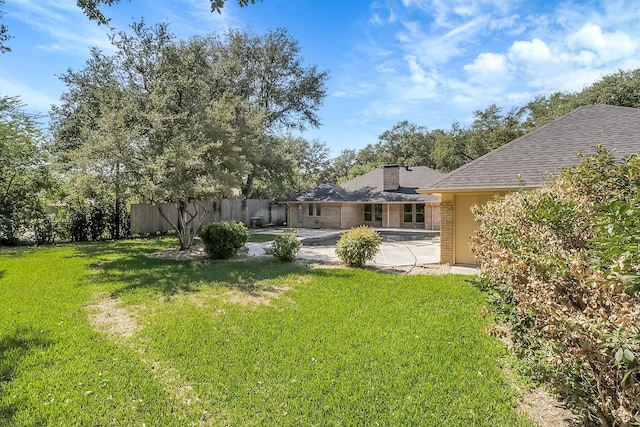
110	318
546	410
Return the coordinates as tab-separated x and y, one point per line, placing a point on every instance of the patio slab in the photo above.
391	254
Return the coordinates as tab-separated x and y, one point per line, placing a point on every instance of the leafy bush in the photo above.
78	222
45	229
358	245
561	264
224	239
285	247
93	219
8	231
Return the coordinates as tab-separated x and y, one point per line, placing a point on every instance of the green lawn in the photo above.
249	342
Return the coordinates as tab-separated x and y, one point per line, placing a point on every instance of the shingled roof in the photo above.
532	157
368	188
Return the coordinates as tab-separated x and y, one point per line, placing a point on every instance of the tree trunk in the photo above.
247	188
185	227
116	234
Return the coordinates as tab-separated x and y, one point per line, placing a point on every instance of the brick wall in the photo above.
446	233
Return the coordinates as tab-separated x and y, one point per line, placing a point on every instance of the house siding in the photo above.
391	216
352	215
435	216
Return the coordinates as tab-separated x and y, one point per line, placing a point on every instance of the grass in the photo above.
253	342
261	237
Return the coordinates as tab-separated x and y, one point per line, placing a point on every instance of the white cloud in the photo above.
487	63
606	45
534	51
68	30
437	49
35	99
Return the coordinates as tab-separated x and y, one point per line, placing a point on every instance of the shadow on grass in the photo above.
13	348
127	263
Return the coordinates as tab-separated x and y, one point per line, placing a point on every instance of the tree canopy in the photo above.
169	120
24	170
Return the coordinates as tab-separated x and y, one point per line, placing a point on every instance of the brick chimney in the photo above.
391	178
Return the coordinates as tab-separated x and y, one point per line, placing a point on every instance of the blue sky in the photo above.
432	62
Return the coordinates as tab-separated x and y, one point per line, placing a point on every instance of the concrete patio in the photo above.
409	253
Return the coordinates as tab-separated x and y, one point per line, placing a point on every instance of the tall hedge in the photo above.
562	265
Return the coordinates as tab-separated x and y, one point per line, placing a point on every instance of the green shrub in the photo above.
45	229
358	245
285	247
224	239
561	264
8	231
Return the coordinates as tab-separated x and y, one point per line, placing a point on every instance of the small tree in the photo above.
358	245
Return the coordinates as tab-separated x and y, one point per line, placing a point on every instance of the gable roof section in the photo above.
322	193
411	178
548	149
368	188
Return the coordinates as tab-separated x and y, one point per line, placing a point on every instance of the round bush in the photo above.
285	247
224	239
358	245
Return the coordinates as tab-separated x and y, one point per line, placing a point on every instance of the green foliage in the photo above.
163	120
285	247
4	34
562	266
25	177
224	239
332	346
358	245
45	229
616	241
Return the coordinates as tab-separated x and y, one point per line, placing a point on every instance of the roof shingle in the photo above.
532	158
368	188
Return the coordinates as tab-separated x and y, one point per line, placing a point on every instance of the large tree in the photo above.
24	170
405	144
176	121
274	78
158	118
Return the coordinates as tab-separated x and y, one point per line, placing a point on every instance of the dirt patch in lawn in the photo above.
109	317
195	253
262	297
546	410
116	322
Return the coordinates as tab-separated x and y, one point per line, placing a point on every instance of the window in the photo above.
378	213
420	213
314	209
372	213
368	213
408	213
413	213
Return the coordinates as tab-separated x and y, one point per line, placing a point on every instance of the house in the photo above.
527	162
386	197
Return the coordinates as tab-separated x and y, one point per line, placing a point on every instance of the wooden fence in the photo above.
252	212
